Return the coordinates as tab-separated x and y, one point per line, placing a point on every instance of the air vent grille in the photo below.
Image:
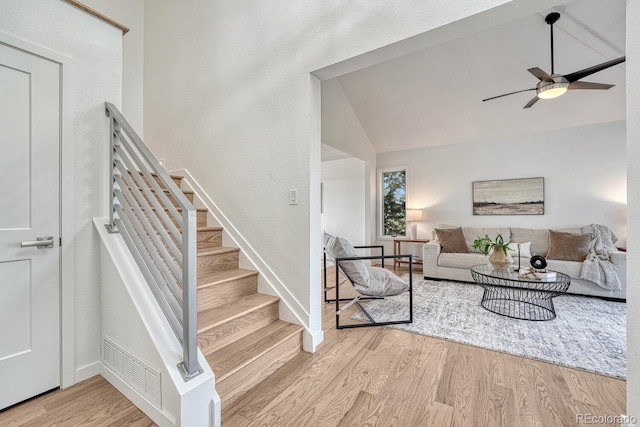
132	370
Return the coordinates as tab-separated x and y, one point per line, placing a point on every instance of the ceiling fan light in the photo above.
552	90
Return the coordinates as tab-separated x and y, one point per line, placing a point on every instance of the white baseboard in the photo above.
311	341
87	371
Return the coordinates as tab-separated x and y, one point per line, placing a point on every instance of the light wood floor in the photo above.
373	377
93	402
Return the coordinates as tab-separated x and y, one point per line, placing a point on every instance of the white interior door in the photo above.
29	209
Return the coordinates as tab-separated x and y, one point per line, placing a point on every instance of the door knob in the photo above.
40	243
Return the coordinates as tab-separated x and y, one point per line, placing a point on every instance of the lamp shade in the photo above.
414	215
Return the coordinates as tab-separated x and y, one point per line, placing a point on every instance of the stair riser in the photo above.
189	197
213	263
209	239
201	219
226	293
171	199
238	383
224	334
177	181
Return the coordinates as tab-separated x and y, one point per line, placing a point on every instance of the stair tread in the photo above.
215	316
219	250
170	175
233	357
164	190
212	279
179	209
210	228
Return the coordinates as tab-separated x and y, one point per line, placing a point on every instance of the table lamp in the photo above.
414	216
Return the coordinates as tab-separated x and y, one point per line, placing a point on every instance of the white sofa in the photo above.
456	266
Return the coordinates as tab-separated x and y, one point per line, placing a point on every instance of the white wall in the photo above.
633	191
95	52
343	199
584	171
131	14
342	130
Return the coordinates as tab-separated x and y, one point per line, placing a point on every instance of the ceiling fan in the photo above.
553	85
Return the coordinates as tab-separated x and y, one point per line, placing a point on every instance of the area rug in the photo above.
587	333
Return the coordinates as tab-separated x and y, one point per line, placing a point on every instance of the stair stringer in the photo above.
132	319
268	282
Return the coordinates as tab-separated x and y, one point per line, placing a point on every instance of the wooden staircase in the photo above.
239	330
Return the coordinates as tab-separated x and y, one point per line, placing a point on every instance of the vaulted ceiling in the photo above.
434	96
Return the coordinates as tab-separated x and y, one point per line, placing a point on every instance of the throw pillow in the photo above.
568	246
525	249
356	270
539	238
452	240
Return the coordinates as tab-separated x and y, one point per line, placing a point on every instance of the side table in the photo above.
396	251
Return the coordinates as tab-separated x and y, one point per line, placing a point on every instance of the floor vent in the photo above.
132	370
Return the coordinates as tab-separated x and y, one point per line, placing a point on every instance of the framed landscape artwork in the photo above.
509	197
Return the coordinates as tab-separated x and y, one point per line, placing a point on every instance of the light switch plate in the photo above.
293	197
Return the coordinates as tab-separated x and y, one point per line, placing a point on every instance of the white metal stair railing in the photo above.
146	219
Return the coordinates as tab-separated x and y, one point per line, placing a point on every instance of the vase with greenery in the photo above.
498	251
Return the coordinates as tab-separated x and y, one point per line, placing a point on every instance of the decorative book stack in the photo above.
532	274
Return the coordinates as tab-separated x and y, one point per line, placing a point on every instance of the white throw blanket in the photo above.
597	267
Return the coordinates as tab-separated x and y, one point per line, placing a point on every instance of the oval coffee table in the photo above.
508	294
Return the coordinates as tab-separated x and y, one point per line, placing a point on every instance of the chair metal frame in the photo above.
363	297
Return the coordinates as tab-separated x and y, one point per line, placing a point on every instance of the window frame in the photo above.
380	201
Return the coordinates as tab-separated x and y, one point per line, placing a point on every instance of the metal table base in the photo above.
507	294
518	306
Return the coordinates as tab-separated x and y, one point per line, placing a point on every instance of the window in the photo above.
393	185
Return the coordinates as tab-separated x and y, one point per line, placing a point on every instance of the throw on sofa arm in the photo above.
430	253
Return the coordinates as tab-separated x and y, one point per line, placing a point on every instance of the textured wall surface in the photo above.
95	50
341	129
343	199
131	14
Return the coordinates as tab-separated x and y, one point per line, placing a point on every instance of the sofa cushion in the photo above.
539	239
452	240
570	268
472	233
524	251
461	260
568	246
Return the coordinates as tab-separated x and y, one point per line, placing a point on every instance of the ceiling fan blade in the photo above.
540	74
591	70
589	85
530	103
506	94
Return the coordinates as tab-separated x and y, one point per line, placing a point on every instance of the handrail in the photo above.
98	15
146	218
